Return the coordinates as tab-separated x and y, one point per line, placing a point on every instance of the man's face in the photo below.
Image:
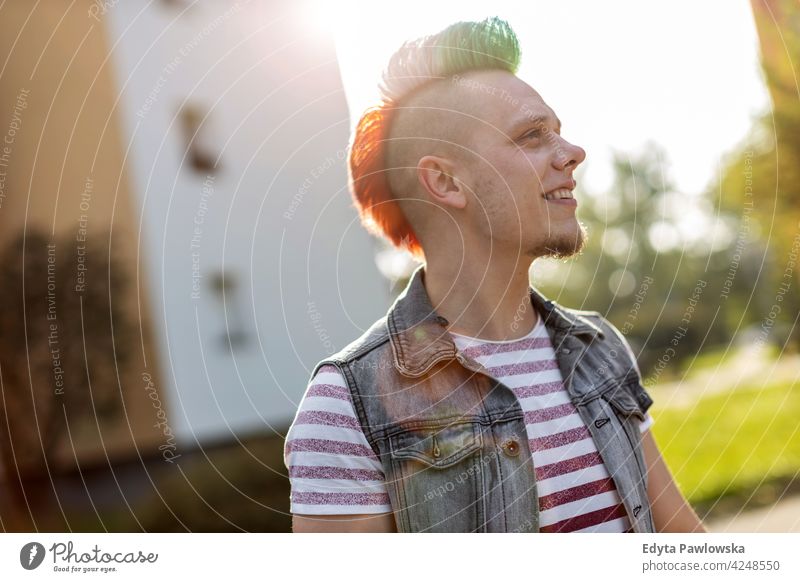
519	170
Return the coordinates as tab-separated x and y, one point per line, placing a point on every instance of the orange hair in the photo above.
369	184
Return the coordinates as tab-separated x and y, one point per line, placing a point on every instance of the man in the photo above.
475	404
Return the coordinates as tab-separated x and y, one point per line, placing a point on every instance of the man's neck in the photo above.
487	301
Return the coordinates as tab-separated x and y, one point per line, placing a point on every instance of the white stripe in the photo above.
545	400
337	485
618	525
327	404
516	357
573	479
548	427
337	509
579	507
531	379
314	459
327	432
648	422
334	378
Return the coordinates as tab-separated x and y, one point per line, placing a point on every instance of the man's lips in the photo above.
564	202
562	195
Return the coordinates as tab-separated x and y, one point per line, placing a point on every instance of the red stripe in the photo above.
575	493
328	419
329	447
538	389
522	368
329	391
550	413
568	466
321	472
316	498
560	439
586	520
533	343
329	369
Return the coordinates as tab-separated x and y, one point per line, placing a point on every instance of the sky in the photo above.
618	73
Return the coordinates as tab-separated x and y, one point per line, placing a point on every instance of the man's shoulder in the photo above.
582	312
594	317
605	324
374	336
597	319
611	333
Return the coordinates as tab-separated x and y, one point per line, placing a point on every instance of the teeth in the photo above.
560	193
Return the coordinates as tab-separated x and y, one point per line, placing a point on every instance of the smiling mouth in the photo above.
559	194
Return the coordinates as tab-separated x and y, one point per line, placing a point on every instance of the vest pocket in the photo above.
437	447
435	475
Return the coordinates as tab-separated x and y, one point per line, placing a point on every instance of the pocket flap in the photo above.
436	446
621	398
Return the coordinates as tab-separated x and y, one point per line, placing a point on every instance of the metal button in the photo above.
511	447
436	452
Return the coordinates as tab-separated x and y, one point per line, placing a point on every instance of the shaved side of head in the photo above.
436	120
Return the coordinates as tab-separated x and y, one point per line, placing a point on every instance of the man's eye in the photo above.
532	134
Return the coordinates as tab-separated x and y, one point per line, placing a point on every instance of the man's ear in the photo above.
437	177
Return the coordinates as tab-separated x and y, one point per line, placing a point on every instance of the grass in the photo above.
711	359
733	442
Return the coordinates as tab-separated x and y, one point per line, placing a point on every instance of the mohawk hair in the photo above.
459	48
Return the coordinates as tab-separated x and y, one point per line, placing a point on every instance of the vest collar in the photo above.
419	336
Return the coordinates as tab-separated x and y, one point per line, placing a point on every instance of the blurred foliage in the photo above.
672	271
773	148
650	246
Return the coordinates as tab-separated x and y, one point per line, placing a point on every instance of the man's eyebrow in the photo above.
537	120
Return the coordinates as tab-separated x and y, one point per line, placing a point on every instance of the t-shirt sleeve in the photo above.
646	423
332	468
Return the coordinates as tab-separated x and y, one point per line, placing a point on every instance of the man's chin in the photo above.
563	245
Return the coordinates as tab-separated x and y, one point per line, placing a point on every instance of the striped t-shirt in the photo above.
333	469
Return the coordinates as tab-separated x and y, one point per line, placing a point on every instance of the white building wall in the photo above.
276	217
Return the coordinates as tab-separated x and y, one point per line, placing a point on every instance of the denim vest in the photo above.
452	440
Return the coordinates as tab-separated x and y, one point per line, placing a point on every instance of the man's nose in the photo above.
569	155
